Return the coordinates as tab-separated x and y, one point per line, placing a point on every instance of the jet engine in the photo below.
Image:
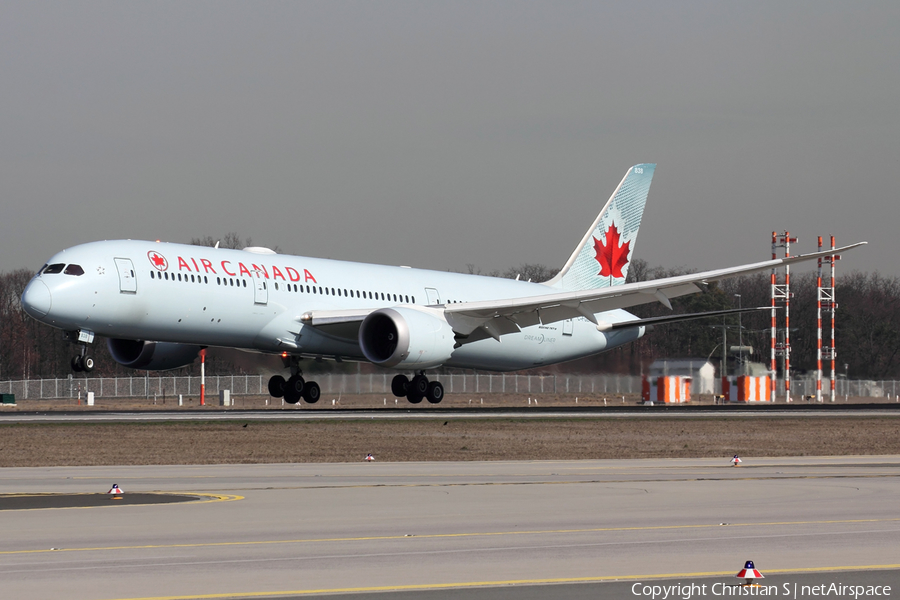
406	337
152	356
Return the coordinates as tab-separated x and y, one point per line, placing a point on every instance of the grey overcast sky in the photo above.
438	134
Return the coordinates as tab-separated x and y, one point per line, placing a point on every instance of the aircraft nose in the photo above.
36	299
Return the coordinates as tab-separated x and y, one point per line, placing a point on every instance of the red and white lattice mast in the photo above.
781	292
825	302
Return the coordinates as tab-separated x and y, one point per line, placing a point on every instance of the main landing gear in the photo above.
417	388
294	388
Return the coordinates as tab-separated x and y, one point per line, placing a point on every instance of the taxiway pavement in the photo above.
311	529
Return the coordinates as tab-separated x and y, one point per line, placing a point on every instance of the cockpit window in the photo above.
74	270
51	269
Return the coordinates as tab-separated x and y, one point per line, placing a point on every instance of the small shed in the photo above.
700	370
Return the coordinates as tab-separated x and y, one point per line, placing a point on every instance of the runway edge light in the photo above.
749	573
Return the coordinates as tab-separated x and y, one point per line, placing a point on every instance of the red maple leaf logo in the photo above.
611	256
158	260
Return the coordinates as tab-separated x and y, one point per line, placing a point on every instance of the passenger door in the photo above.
127	280
260	290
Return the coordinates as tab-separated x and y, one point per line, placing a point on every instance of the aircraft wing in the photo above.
498	317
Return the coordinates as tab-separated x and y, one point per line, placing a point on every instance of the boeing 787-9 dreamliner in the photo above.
159	304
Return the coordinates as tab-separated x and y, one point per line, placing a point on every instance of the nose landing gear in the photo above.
81	362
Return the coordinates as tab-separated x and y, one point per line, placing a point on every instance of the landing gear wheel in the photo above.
399	385
311	392
293	389
276	386
417	389
435	392
418	385
87	363
76	364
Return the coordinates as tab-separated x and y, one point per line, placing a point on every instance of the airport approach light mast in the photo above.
825	302
781	293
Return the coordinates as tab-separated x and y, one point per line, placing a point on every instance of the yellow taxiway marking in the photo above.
448	535
471	584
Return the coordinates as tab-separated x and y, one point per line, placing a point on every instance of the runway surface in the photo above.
432	412
452	530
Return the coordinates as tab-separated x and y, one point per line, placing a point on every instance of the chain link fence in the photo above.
355	384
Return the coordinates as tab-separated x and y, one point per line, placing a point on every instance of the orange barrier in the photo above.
747	389
669	389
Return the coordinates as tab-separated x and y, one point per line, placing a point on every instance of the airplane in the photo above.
159	304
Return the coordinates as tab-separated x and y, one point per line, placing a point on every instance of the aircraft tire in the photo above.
413	397
418	386
400	385
293	389
435	392
276	386
311	392
87	363
76	364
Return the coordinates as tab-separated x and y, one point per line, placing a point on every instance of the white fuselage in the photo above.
250	300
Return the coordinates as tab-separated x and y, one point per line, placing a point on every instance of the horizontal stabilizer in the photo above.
651	321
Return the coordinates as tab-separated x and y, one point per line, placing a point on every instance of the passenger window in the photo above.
53	269
77	270
152	276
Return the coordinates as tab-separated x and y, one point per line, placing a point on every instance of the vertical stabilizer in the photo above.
603	256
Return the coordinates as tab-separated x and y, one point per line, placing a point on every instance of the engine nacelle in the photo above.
152	356
406	337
